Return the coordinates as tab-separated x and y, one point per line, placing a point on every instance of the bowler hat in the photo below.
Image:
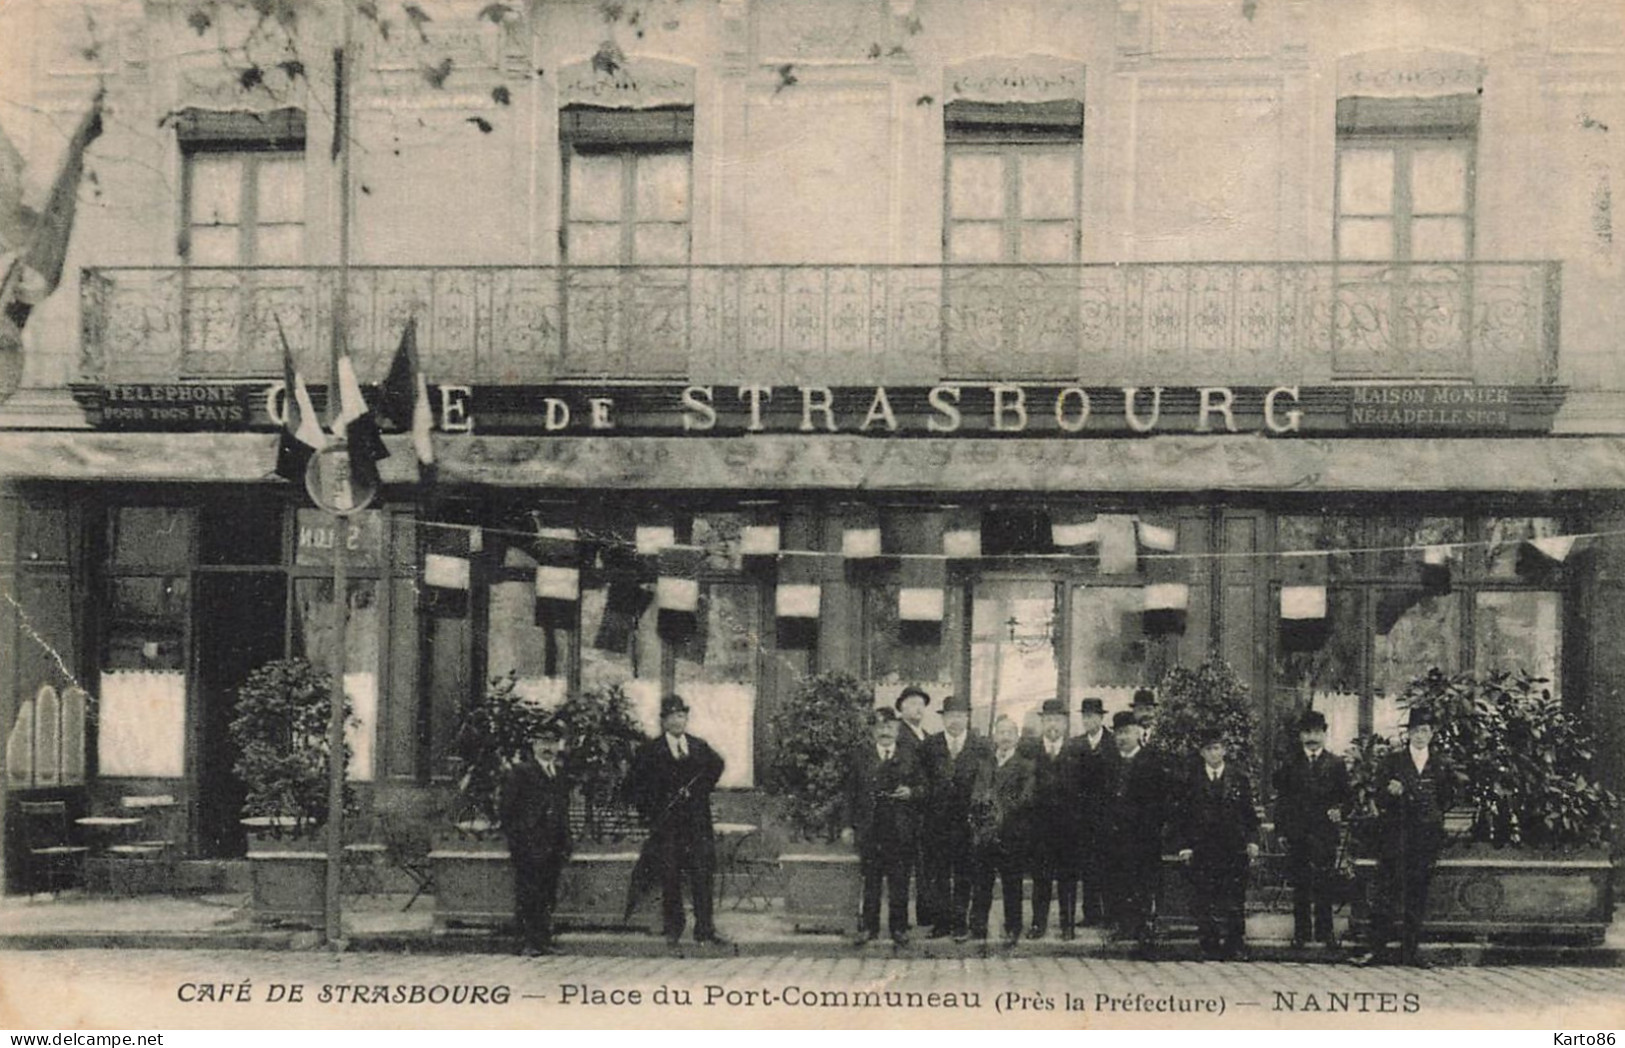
1053	707
550	729
1144	697
1092	705
1210	735
955	704
1312	720
1418	717
1124	719
883	715
673	704
912	689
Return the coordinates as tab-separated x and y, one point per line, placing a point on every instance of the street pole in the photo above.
334	923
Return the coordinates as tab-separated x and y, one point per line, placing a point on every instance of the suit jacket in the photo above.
1002	802
1093	770
1414	819
1304	792
1137	807
880	822
535	812
906	739
657	783
1217	818
950	783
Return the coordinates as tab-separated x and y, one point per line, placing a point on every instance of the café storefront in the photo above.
1006	541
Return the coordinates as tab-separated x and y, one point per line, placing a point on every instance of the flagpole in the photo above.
334	923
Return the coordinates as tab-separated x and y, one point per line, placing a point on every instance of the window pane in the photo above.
278	245
244	530
1013	666
1365	239
1438	239
314	636
1320	532
594	245
660	244
146	623
716	673
281	188
151	536
1520	631
900	653
537	655
619	642
1365	182
1325	674
1399	537
1109	649
1503	537
595	187
1048	185
977	242
214	246
975	185
216	189
663	186
1438	180
1047	241
1415	633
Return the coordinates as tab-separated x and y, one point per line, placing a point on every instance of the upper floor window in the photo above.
243	187
627	176
1013	182
1405	171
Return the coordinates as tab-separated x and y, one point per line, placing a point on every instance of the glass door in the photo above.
1014	625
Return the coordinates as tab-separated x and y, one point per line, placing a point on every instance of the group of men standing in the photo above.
1083	816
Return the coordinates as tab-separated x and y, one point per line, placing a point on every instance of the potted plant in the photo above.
1190	700
280	731
814	738
1529	855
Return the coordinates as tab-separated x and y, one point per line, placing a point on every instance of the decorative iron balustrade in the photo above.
1231	323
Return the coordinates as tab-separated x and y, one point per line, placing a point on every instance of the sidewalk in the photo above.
378	922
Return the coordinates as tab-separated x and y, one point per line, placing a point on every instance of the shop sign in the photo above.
176	406
1473	409
363	538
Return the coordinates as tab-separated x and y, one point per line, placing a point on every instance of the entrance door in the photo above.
1013	668
239	626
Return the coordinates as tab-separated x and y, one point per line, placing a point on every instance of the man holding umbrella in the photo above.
672	779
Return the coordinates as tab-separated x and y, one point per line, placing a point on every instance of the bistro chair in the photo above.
51	863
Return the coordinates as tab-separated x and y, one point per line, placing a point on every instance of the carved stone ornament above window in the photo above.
1409	74
632	83
1014	78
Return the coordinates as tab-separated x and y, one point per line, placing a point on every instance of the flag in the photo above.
302	435
36	243
403	399
962	535
357	423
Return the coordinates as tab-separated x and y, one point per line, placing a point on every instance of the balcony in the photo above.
1229	323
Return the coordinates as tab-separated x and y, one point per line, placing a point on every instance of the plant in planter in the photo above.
814	738
1193	699
1528	802
601	736
280	730
493	732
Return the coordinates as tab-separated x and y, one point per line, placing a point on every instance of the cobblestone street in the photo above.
145	988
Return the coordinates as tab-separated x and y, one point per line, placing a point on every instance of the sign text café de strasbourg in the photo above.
941	410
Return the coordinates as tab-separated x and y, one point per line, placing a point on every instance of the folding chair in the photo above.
50	861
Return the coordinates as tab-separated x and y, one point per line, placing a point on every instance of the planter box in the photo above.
289	887
822	890
1507	894
474	886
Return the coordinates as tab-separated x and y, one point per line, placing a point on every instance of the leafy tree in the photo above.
280	730
1192	700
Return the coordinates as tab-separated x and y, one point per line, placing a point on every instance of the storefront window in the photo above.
536	653
716	673
619	642
1398	538
1519	632
1013	663
901	653
1324	672
314	637
1109	647
1502	538
1322	532
1414	634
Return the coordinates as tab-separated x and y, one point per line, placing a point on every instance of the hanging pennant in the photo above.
1157	533
1436	569
652	539
1165	606
922	600
625	601
797	599
558	594
677	593
1073	529
446	572
448	553
1304	622
1119	551
962	535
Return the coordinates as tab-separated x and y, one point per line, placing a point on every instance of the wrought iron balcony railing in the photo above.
1234	323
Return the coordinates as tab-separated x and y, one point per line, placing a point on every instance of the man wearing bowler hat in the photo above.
1054	811
1216	831
884	789
671	783
1415	787
1094	761
1145	711
535	813
1311	793
1136	809
911	705
950	758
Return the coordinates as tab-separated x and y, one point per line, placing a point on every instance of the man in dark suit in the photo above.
1217	831
884	788
1136	810
1001	821
671	782
1094	761
911	704
535	814
1311	793
1415	787
951	759
1053	846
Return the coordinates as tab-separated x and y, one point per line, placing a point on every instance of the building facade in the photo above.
1014	349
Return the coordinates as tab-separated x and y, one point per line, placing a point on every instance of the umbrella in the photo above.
646	871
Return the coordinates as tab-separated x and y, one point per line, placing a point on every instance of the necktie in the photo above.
548	769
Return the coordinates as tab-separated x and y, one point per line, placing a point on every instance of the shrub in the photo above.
280	730
814	737
601	737
1193	699
493	732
